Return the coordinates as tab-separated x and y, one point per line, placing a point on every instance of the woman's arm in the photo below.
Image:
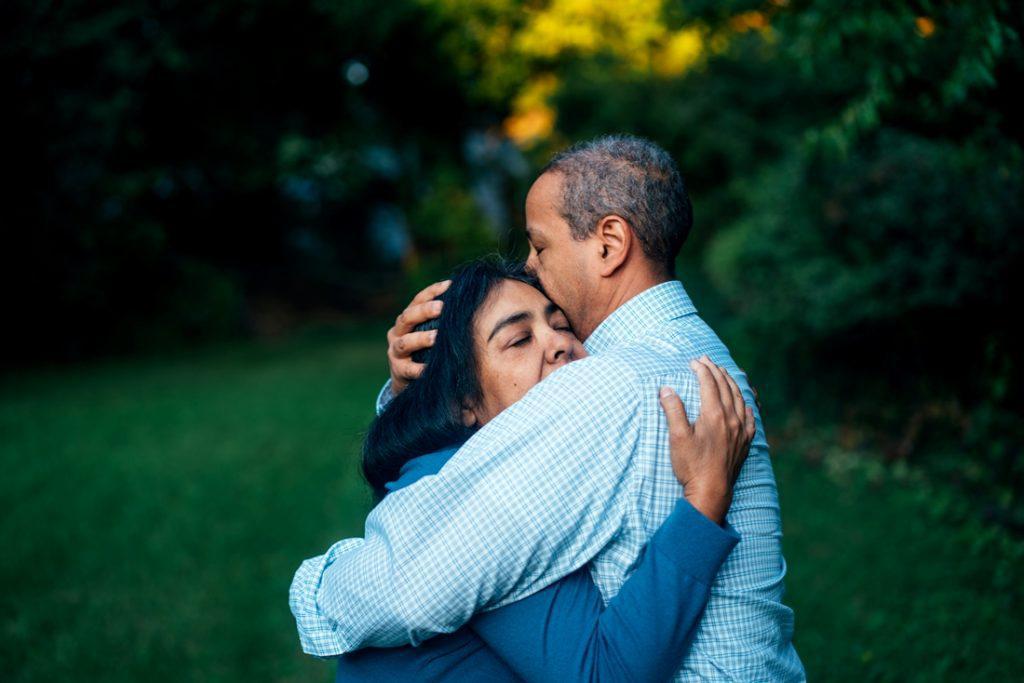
565	633
459	657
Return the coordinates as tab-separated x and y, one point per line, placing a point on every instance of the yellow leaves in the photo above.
531	126
748	21
681	51
511	42
925	26
532	118
587	27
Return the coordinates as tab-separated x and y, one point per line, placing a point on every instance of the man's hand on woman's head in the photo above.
404	340
707	456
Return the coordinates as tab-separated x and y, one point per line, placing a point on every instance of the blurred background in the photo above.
213	210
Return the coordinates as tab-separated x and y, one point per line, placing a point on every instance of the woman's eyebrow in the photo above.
510	320
550	310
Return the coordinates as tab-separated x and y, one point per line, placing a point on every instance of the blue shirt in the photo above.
564	633
576	472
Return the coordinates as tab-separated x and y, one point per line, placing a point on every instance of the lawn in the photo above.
154	511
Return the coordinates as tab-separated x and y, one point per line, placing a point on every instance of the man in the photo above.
576	472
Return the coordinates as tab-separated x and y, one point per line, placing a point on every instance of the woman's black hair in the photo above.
427	416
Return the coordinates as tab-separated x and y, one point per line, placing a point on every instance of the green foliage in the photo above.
903	228
926	59
448	226
884	568
880	252
157	142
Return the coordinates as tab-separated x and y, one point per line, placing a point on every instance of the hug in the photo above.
572	476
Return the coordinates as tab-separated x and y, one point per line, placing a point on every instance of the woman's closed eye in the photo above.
522	341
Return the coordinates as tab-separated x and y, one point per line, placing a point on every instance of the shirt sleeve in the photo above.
318	636
534	495
384	397
564	633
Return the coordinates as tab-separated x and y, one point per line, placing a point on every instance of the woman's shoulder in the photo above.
421	466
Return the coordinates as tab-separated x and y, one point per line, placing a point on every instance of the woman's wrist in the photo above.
710	499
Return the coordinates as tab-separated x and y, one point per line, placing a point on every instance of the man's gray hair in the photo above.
629	177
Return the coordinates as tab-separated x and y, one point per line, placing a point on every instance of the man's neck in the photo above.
608	299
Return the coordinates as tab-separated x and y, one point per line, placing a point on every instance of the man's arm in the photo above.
534	495
384	397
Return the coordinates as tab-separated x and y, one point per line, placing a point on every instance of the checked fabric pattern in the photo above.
576	472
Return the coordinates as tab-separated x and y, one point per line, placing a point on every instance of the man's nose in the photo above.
531	265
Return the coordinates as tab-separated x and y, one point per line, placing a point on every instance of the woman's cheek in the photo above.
517	383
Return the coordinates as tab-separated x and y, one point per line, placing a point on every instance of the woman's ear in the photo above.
468	416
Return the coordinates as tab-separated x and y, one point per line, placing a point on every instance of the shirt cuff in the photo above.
384	397
694	542
318	634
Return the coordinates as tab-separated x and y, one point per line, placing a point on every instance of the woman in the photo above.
498	336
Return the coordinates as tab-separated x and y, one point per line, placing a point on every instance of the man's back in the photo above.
746	632
576	472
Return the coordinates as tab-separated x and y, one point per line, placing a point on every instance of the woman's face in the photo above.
520	338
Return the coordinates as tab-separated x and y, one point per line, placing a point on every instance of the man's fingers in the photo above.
431	292
410	370
675	412
416	314
410	343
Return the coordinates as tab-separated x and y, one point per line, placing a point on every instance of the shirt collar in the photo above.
629	321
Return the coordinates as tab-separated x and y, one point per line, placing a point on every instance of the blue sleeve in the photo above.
564	633
454	657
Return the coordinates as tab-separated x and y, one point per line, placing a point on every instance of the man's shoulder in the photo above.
662	353
600	375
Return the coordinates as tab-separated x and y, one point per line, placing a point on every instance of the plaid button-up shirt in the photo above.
576	472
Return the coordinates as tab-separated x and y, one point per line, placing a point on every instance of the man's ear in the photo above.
615	239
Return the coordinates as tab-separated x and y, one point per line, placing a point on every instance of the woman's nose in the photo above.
559	348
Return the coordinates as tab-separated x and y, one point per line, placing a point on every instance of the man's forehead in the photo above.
546	189
543	206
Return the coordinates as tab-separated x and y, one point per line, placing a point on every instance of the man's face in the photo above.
562	264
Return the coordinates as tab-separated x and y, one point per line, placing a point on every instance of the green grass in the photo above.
154	512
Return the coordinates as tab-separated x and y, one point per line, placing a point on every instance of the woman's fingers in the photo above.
710	400
739	406
724	395
675	412
750	424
